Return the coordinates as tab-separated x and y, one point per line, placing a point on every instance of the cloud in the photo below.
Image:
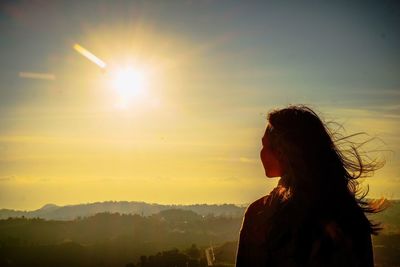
235	159
37	75
7	178
248	160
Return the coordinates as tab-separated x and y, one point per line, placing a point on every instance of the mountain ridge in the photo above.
70	212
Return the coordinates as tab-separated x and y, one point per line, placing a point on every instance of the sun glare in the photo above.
129	83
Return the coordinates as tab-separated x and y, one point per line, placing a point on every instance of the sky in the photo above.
188	128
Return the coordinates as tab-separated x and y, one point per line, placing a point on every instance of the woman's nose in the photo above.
262	153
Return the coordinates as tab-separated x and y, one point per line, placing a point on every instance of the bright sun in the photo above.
129	83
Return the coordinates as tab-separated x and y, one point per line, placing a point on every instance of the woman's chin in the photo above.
271	175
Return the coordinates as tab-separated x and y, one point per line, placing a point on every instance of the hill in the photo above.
71	212
112	239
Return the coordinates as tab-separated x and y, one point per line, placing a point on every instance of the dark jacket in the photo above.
275	233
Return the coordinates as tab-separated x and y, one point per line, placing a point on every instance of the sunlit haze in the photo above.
165	101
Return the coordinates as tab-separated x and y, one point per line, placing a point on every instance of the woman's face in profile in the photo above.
270	159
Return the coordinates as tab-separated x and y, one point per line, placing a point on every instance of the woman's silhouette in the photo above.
316	214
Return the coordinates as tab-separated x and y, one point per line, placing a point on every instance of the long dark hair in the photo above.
321	167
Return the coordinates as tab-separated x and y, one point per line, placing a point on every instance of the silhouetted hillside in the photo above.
107	239
171	236
390	217
70	212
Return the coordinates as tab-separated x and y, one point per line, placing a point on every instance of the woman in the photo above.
316	215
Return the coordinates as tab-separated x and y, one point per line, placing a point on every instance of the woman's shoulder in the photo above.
267	203
256	206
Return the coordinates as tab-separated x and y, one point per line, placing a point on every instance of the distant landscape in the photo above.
71	212
141	234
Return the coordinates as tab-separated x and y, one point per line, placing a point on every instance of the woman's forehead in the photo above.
268	129
264	139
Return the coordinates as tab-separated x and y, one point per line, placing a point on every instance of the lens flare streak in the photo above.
86	53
